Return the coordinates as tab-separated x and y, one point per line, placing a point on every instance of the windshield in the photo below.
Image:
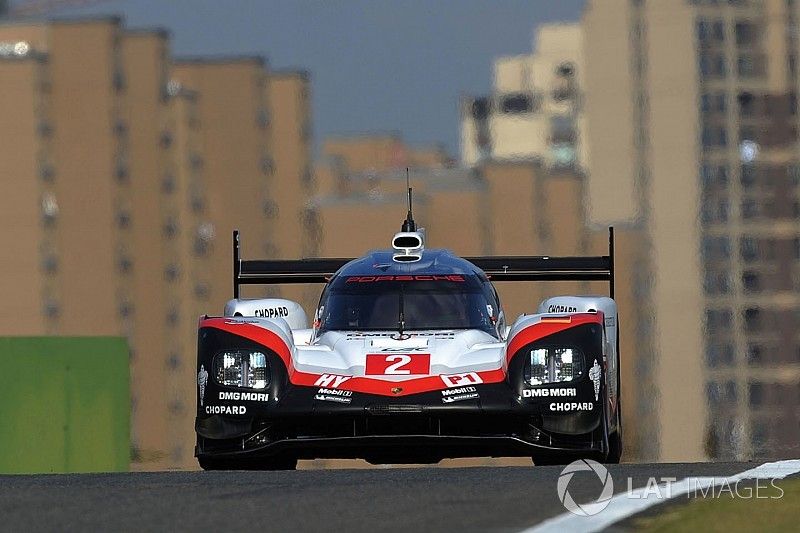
426	302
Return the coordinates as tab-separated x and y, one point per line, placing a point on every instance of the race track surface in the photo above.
397	499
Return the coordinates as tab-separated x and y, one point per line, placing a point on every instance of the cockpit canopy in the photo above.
408	302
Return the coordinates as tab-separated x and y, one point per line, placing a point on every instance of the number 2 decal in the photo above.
382	364
396	368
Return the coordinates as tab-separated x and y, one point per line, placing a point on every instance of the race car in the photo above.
409	359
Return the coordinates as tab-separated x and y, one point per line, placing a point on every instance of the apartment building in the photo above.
534	109
125	172
691	109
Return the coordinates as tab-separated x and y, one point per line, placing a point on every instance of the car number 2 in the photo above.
398	364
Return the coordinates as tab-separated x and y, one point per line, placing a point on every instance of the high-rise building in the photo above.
692	131
125	174
534	110
237	162
69	164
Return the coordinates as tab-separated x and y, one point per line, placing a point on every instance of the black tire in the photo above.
615	441
551	460
270	463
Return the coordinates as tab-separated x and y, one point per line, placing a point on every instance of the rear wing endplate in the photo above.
498	268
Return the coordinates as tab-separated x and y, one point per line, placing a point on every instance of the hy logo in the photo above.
590	508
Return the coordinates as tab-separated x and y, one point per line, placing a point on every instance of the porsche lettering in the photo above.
417	277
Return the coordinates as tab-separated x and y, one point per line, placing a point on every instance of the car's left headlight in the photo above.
553	364
242	368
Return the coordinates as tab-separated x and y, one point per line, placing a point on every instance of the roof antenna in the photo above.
409	225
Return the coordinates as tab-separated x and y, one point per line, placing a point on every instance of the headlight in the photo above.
553	364
244	369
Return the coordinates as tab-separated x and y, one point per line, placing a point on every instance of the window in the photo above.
714	136
267	165
165	139
516	103
748	248
716	248
747	133
170	227
50	263
752	319
169	183
747	104
713	103
710	32
748	176
750	66
262	119
713	65
270	208
746	33
481	108
172	272
718	320
123	219
751	281
730	391
125	308
756	394
755	353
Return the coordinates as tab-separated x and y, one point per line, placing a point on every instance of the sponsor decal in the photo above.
334	395
399	364
434	334
420	277
562	309
460	394
272	312
226	410
459	380
331	380
244	396
572	406
240	322
536	393
202	380
610	321
594	375
460	390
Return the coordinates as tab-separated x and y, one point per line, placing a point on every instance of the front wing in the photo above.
322	419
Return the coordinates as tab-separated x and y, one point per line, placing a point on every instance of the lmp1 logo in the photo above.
460	380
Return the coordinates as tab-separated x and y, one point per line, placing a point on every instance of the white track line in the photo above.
623	504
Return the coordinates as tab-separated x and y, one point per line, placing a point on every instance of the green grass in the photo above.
727	514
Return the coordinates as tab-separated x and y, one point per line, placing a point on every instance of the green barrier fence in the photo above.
64	404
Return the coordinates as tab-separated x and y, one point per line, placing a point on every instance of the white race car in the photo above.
408	360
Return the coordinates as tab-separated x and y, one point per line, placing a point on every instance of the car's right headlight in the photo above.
553	364
242	368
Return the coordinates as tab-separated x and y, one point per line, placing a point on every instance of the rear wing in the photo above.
498	268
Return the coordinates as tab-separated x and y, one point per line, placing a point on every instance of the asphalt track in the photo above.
397	499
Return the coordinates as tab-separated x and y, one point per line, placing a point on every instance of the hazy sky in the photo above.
376	65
